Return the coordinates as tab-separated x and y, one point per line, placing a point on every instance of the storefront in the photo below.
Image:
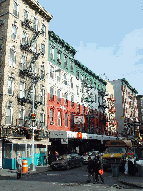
12	146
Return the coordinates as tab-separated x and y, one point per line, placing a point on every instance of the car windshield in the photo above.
115	150
63	157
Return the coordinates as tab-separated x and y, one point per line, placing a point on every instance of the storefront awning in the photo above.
26	141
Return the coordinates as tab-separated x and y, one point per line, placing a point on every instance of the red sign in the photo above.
79	135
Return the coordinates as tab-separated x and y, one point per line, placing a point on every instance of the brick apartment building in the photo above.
126	106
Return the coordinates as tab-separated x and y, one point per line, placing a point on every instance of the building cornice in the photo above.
129	86
57	40
34	4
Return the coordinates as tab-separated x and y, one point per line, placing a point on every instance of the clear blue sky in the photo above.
107	34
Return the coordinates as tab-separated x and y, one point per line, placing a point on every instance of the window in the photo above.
59	118
65	63
34	46
22	89
71	65
72	100
58	76
71	81
43	30
35	23
83	109
25	15
14	31
42	94
77	75
52	72
51	93
58	95
23	62
59	58
65	79
42	119
78	107
21	117
95	98
15	8
42	49
24	38
12	57
72	120
10	86
142	118
51	115
77	87
51	53
8	115
42	71
65	97
66	120
94	85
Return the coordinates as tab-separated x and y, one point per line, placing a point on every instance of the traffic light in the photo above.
33	117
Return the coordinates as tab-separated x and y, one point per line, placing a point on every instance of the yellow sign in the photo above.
121	117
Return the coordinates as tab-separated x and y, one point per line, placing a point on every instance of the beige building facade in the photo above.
112	124
24	26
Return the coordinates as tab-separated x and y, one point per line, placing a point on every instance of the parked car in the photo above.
67	161
87	154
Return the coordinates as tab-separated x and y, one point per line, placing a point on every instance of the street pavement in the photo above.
74	179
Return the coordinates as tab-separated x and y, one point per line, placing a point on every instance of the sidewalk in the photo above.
12	173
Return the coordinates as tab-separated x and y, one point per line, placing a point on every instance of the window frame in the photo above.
12	60
51	115
12	86
66	120
22	91
43	32
11	115
43	49
59	118
15	11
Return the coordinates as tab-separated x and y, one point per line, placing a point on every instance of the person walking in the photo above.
18	165
91	170
97	168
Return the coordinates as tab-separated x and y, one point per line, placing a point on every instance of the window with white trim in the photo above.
15	8
43	30
35	23
51	53
51	115
71	81
72	100
65	79
65	62
21	117
52	72
58	76
12	57
42	94
58	95
14	31
22	89
10	86
59	118
66	119
34	46
25	15
42	71
65	97
51	93
24	38
71	65
42	49
42	119
23	62
77	88
9	116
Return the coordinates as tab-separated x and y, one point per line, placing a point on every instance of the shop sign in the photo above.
79	135
57	134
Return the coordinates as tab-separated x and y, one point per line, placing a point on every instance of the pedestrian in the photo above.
18	165
97	163
90	167
131	162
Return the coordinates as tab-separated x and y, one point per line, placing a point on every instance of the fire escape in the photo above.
30	73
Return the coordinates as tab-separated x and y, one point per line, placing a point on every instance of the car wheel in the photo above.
68	167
